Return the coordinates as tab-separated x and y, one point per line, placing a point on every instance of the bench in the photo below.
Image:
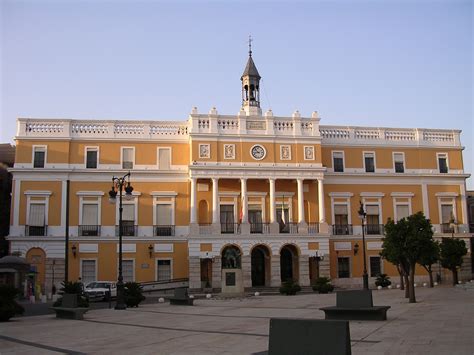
308	336
355	305
181	297
69	308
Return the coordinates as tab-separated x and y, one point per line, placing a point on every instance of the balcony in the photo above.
230	228
89	230
471	227
128	229
259	228
289	228
371	229
447	228
342	229
36	231
163	230
205	228
313	228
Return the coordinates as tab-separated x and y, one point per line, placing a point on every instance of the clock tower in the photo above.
251	87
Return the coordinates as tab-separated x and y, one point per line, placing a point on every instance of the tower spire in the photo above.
250	45
251	86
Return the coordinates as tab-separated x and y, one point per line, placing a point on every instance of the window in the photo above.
163	270
341	220
338	161
372	219
164	158
164	220
402	211
88	271
375	266
127	158
343	269
91	158
127	270
399	162
128	219
37	219
90	220
369	162
39	157
443	163
227	218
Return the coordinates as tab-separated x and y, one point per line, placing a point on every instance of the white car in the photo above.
100	290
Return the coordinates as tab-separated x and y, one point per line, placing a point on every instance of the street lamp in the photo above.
362	215
118	184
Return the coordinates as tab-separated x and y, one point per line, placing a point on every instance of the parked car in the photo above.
99	290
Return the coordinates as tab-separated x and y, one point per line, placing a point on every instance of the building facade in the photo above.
274	197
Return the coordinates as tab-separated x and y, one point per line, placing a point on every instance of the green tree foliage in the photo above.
452	251
429	257
8	306
404	245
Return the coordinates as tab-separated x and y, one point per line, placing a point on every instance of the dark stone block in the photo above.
354	299
309	336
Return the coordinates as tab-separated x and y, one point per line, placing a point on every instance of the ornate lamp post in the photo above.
365	276
118	184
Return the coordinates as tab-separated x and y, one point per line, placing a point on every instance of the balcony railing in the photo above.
373	229
205	228
128	230
89	231
36	231
163	230
289	227
230	228
313	228
260	228
471	227
447	228
342	229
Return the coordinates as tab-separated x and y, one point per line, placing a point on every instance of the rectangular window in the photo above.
127	158
90	220
164	158
163	270
91	158
128	220
372	221
164	214
447	214
37	214
338	161
127	270
399	162
375	266
403	211
343	268
39	157
369	161
443	163
227	218
88	271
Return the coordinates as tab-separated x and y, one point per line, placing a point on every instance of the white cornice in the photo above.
90	193
37	193
163	193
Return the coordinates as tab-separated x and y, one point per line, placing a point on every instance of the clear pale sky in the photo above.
373	63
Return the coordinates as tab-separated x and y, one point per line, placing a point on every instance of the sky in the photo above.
366	63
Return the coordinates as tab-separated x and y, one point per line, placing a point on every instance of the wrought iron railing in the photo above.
260	228
89	230
373	229
36	231
289	227
230	228
447	228
163	230
342	229
128	230
205	228
313	228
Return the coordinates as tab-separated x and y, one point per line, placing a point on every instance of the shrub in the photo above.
74	288
8	306
133	294
290	287
323	285
383	280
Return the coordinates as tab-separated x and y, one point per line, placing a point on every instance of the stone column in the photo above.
245	227
247	270
275	271
193	203
304	270
274	227
216	272
194	272
216	227
322	212
465	223
302	226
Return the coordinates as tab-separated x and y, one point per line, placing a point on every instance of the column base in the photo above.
216	228
245	228
302	228
323	228
193	229
274	228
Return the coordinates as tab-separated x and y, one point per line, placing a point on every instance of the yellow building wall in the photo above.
57	151
54	215
433	202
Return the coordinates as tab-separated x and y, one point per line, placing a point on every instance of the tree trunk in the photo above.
411	288
430	272
402	283
407	286
455	276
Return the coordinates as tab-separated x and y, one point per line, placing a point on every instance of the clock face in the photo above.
258	152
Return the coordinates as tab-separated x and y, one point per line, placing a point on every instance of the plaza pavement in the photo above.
442	322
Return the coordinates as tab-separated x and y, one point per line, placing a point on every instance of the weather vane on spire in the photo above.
250	45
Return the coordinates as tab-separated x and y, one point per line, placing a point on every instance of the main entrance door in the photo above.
286	264
258	267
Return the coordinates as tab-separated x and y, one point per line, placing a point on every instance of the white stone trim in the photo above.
310	147
127	248
343	161
363	160
340	194
230	157
16	203
91	148
156	267
163	193
88	248
445	155
374	246
201	154
163	248
404	162
90	193
158	157
121	156
282	147
402	194
33	150
37	193
446	194
372	194
172	203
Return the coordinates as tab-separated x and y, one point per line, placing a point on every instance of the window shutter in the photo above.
163	215
164	159
88	271
340	209
402	211
128	213
90	214
372	210
37	214
446	213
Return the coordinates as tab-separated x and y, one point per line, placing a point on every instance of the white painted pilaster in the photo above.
193	214
300	201
215	201
426	205
272	201
322	212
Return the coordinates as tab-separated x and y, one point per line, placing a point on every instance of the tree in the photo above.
452	251
404	245
429	257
